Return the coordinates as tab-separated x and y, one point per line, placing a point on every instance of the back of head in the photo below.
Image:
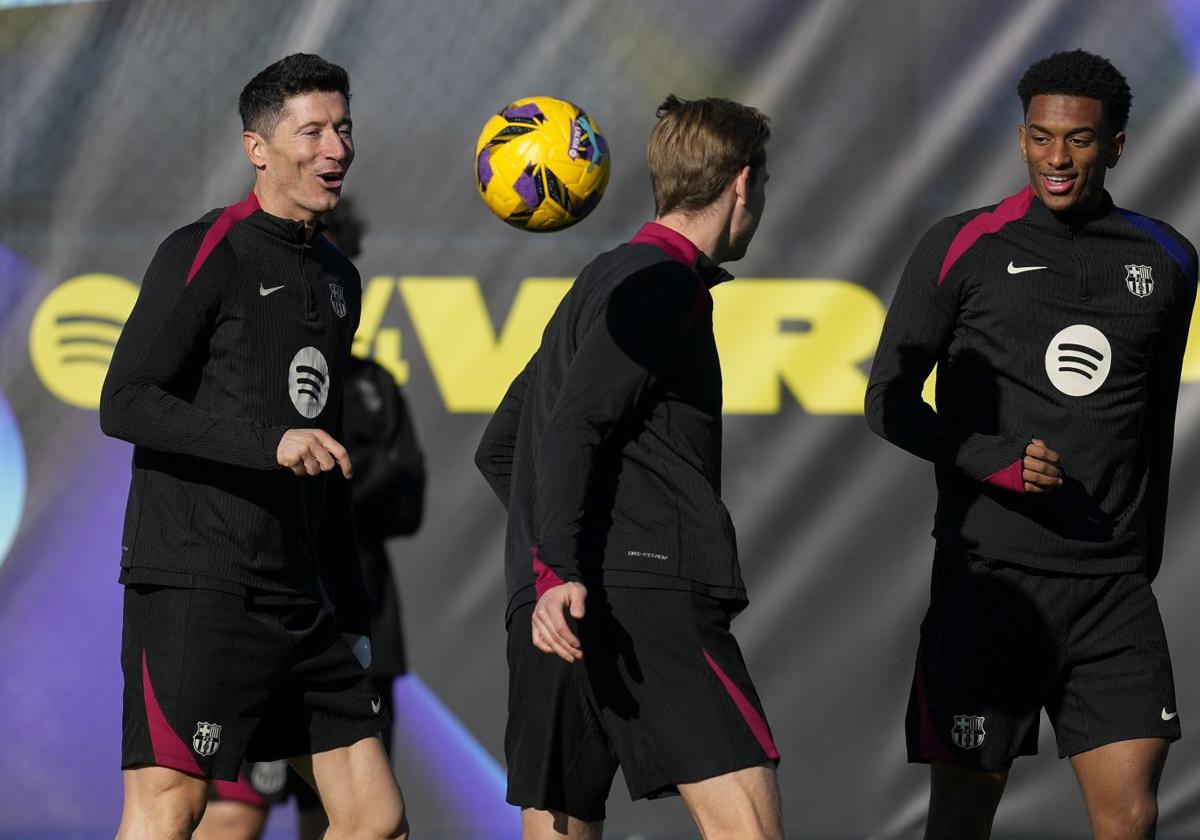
1079	73
698	145
263	101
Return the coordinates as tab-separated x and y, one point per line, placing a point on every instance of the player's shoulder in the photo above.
1180	249
954	238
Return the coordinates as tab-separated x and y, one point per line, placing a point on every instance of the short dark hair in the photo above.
698	145
1079	73
262	103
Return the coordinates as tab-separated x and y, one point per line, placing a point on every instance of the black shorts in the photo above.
1001	642
662	691
213	678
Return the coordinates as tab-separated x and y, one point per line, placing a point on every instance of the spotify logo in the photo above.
73	334
308	382
1078	360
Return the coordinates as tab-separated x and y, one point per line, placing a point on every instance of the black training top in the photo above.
606	450
1070	331
241	331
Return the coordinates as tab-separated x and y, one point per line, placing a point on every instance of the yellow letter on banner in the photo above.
1191	357
471	366
811	335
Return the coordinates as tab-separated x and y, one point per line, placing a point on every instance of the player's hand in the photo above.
550	631
1042	468
312	452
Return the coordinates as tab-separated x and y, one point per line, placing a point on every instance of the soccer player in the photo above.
228	380
1057	322
621	562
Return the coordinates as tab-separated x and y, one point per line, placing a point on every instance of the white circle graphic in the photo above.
308	382
1078	360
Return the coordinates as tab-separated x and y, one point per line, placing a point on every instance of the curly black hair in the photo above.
1079	73
261	104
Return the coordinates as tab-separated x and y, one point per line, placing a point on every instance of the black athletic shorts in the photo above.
662	691
1001	642
213	678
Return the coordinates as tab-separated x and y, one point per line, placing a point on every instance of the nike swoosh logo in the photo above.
1012	269
375	706
265	292
1166	716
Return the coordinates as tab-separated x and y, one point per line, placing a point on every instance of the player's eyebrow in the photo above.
1083	129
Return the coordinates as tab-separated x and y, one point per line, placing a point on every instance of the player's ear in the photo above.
741	184
1021	135
254	145
1115	150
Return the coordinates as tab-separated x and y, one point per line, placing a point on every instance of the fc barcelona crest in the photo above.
968	732
1138	280
338	299
207	738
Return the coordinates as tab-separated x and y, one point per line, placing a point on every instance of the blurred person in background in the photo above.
621	558
246	620
1057	322
389	499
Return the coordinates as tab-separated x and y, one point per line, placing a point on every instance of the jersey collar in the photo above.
682	250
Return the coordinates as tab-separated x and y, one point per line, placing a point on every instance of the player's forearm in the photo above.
896	412
145	414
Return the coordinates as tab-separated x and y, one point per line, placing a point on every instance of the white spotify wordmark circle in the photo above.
1078	360
308	382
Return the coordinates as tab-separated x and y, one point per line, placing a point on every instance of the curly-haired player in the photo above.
1057	322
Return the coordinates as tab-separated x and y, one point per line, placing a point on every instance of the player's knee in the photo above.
1133	819
166	819
372	822
741	816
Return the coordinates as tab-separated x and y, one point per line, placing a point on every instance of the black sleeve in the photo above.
1159	434
165	342
916	333
494	455
618	361
389	467
341	571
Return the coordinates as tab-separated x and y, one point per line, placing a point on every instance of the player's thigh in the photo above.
673	689
962	801
324	699
160	799
744	803
1120	785
988	657
559	758
1121	685
537	824
198	667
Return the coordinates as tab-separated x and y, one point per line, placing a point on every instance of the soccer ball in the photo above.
541	164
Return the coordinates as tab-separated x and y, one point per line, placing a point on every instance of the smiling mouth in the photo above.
1058	183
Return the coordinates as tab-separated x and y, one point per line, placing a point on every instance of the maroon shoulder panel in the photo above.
230	217
1009	210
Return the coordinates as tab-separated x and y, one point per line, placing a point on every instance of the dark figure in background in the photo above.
389	499
1058	324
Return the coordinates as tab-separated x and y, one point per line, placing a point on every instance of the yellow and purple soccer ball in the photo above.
541	164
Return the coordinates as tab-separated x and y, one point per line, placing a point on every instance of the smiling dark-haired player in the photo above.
228	380
1058	323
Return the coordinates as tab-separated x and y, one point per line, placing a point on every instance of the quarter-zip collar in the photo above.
681	249
288	230
1067	224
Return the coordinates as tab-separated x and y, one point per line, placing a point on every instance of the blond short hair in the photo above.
698	145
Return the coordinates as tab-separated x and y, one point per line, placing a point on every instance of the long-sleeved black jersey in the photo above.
1072	333
241	331
606	450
